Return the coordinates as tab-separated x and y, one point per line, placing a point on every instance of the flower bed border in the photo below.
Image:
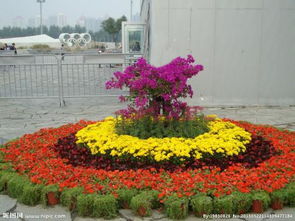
17	184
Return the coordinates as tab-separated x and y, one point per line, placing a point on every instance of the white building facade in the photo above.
61	20
246	46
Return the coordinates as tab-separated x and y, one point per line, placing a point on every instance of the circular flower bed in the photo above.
157	154
35	158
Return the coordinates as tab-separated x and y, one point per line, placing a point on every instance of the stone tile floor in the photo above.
18	117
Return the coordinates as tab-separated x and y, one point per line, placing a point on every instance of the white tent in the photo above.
33	40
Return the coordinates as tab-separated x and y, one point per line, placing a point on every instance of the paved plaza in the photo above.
18	117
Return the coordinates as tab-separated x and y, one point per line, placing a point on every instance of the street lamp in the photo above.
41	25
131	7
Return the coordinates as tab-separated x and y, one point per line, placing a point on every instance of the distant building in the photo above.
52	20
99	21
61	20
81	21
34	22
19	22
92	24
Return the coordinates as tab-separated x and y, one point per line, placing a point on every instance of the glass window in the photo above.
134	40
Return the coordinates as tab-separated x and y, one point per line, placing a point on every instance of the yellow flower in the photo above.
224	137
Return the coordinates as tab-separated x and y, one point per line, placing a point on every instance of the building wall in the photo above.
246	46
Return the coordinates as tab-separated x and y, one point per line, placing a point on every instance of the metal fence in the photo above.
59	77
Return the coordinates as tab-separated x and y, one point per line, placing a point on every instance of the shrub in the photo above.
125	196
68	197
16	185
1	154
280	195
105	206
7	167
262	196
176	208
290	185
152	196
22	47
41	47
278	199
202	204
146	127
46	190
223	205
155	90
4	179
85	204
31	195
242	202
141	206
290	194
143	203
291	198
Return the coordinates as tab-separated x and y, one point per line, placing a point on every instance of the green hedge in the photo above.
47	189
176	208
242	202
223	205
263	196
141	205
125	196
201	204
5	177
15	186
105	206
68	197
280	195
31	194
290	194
85	204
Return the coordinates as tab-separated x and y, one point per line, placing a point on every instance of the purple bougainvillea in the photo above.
156	90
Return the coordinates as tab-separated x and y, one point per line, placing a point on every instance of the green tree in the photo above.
113	27
67	29
54	31
109	25
79	29
119	22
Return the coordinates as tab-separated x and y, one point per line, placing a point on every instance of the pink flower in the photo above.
122	98
140	102
157	88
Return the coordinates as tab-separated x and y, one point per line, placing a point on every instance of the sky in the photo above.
73	9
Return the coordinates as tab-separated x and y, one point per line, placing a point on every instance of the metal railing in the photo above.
56	77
